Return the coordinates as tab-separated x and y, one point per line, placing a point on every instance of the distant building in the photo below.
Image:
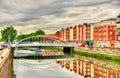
67	34
84	32
118	26
62	34
57	34
102	34
76	34
71	34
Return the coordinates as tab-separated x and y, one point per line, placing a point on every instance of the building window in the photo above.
100	39
110	38
100	30
110	33
111	27
103	28
104	34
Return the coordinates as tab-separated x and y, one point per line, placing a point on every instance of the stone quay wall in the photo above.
6	63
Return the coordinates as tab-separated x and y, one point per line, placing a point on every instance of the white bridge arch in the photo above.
41	40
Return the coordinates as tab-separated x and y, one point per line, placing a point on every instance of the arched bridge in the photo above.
42	40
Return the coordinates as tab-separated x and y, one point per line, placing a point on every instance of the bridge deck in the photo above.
43	44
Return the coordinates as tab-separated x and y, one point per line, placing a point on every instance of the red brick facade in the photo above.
105	33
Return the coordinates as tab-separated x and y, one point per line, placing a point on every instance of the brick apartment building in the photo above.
76	34
105	33
84	32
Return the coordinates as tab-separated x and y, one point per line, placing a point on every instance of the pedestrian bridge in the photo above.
41	40
37	44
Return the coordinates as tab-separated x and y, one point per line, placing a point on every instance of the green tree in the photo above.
23	36
39	32
8	34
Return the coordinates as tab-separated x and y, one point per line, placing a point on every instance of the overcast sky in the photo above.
52	15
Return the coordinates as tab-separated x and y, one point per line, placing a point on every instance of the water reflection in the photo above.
41	69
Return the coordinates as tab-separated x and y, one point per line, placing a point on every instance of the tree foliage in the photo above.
9	34
23	36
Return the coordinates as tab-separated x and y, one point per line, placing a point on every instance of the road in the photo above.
41	69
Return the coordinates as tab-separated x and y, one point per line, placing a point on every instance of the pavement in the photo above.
41	69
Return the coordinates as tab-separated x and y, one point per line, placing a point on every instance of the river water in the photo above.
41	69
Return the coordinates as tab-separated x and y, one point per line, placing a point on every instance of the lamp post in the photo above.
9	39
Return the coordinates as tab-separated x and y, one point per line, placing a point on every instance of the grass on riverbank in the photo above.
104	57
54	48
47	48
35	55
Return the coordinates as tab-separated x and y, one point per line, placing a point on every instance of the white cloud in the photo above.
51	15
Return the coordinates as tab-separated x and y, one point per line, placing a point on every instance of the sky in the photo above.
52	15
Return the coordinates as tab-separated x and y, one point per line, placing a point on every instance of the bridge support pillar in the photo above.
71	51
68	51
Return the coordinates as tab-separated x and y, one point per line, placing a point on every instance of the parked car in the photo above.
83	45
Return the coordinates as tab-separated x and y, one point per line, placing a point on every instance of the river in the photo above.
41	69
